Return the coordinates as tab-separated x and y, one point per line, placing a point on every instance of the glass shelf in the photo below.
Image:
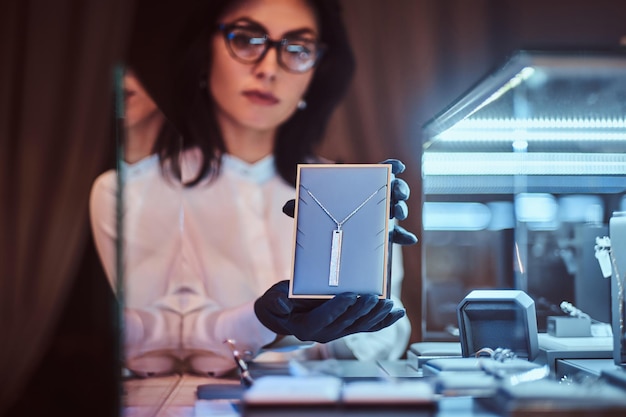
519	175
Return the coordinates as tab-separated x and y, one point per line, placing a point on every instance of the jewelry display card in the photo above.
341	232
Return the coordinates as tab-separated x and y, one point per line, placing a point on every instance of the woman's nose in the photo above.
268	66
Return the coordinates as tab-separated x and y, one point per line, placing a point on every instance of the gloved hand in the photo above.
323	320
400	192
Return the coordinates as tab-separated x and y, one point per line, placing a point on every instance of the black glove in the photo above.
400	192
323	320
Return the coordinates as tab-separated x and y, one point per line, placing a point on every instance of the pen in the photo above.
244	372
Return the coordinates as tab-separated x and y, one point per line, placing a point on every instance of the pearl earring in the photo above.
301	104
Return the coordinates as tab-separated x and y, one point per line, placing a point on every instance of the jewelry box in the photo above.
341	230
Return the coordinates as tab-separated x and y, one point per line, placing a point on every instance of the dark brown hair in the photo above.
190	108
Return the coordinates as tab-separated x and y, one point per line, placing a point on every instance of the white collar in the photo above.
258	172
140	166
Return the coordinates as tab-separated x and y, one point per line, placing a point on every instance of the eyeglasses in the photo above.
249	45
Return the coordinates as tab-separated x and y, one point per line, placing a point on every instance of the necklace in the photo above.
337	238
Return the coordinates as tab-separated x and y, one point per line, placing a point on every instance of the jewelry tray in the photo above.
358	197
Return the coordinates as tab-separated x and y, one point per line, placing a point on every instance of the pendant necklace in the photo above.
335	246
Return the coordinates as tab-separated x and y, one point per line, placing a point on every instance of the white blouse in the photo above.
196	258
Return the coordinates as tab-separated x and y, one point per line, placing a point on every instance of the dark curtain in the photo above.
55	137
415	57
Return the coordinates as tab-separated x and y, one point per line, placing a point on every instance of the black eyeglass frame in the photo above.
225	30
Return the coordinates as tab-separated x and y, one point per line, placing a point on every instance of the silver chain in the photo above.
340	223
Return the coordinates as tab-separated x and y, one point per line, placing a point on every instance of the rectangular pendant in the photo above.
335	258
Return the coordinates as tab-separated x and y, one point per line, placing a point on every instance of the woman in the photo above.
143	120
205	236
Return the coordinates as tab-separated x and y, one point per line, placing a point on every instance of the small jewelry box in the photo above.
341	232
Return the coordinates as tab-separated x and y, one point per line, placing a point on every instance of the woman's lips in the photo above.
261	98
128	94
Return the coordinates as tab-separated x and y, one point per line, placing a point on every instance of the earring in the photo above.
301	104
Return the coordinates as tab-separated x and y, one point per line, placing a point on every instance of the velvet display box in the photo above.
341	236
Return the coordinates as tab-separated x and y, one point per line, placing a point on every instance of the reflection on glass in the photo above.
129	234
147	178
545	134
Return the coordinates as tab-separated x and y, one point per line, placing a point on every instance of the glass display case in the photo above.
520	175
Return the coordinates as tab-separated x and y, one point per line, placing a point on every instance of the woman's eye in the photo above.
246	39
300	50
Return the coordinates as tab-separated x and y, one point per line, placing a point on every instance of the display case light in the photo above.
508	124
509	135
509	163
